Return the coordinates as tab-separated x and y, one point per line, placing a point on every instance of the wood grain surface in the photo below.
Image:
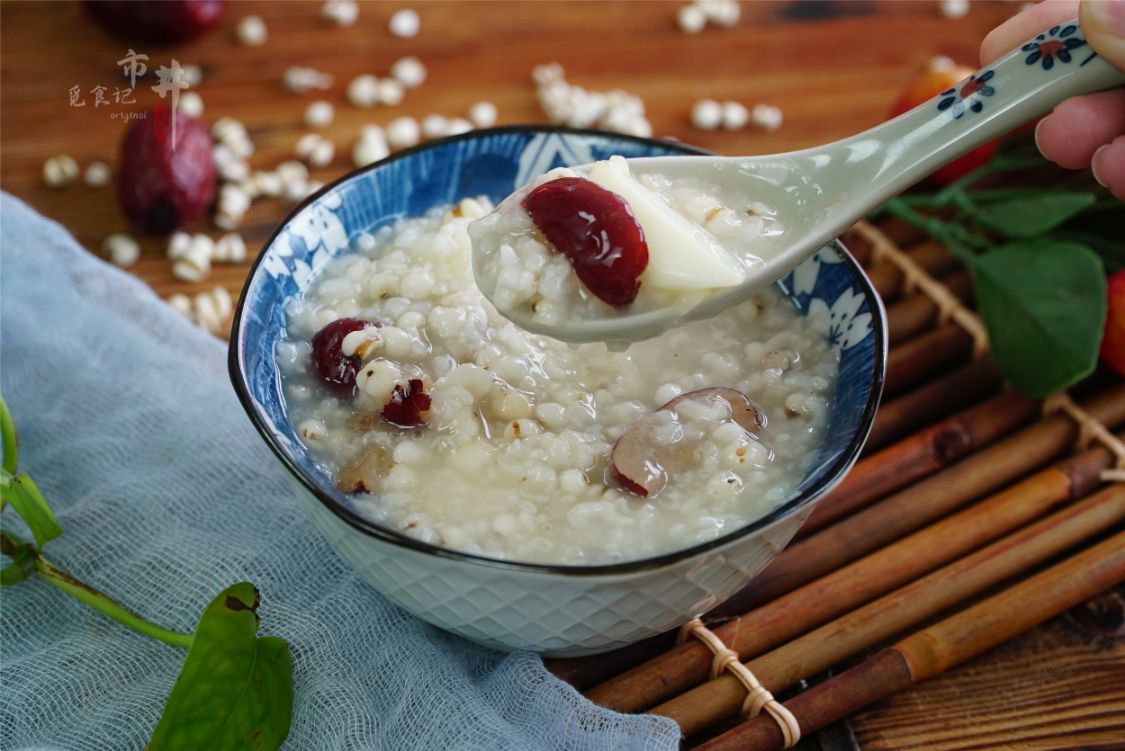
833	67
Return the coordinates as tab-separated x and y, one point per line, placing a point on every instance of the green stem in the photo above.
957	240
13	547
8	435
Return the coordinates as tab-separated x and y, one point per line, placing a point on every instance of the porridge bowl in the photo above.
502	507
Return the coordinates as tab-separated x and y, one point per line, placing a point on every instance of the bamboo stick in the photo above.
872	478
820	649
915	313
983	472
845	588
924	453
900	417
942	646
888	279
921	357
900	233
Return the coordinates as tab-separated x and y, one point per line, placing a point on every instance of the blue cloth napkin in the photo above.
166	495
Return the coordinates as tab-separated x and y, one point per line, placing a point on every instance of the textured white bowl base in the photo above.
556	614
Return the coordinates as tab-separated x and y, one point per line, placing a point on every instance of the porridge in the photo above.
449	423
598	244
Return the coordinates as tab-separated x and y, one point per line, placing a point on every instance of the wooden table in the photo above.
833	68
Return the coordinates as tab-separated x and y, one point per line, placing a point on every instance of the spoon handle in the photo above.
1024	84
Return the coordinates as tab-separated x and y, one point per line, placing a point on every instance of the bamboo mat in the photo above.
966	491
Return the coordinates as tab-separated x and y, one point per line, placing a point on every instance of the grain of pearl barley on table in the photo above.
735	116
191	104
403	132
409	71
230	248
60	171
691	19
435	126
340	12
179	243
707	114
954	8
194	265
192	74
483	114
319	114
300	80
180	303
316	150
389	92
371	146
766	117
404	23
97	174
694	17
457	126
210	310
252	31
122	249
363	91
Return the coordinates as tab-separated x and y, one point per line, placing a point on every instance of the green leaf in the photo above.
1044	305
23	559
236	689
8	438
32	507
1032	215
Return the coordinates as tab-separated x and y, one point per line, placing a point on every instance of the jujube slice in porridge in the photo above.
661	444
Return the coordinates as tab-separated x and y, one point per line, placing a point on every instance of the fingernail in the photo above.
1039	127
1094	165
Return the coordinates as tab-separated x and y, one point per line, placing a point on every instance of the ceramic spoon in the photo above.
820	192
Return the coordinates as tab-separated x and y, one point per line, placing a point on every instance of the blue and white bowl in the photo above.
560	610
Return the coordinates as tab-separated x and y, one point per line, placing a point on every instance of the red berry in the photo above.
162	186
157	21
336	369
407	405
596	230
1113	340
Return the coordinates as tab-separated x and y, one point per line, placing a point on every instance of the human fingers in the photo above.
1103	23
1076	129
1023	26
1108	166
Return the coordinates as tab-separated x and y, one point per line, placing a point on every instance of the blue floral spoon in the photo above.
819	192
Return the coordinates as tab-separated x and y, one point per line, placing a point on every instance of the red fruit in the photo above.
643	466
927	85
596	230
156	21
164	186
407	405
328	359
1113	340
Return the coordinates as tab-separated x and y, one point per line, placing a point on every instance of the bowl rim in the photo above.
369	528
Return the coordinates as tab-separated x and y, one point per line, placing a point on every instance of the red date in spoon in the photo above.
596	230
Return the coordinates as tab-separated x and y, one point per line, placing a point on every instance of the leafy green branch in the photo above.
1039	282
235	690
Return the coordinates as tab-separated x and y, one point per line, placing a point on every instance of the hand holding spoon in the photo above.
818	193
